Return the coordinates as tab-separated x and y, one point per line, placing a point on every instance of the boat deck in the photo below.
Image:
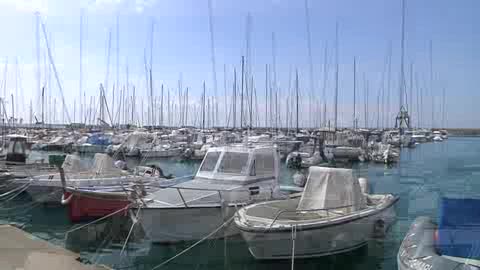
286	210
22	251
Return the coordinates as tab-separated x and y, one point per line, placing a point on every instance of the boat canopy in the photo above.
72	163
332	188
103	163
239	163
137	138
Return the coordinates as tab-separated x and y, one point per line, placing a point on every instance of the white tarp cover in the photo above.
329	188
103	163
136	139
72	163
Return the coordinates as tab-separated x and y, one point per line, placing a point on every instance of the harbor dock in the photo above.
23	251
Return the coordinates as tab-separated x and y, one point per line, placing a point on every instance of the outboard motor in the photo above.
188	153
294	160
299	179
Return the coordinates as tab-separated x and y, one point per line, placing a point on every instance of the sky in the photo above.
181	50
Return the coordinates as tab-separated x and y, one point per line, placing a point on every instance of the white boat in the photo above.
347	153
333	215
419	137
48	188
444	134
228	178
437	136
164	151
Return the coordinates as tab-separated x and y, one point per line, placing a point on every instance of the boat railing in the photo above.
327	210
254	191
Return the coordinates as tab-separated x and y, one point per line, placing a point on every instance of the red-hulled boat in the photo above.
86	204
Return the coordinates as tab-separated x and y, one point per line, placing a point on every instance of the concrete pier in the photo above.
20	250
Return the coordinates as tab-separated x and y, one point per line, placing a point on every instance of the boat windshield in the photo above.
234	162
264	164
210	161
15	147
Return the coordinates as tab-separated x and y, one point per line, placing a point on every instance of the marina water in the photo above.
423	175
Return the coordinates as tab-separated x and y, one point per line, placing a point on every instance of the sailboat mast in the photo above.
203	107
241	93
354	91
296	94
186	108
431	83
310	65
80	79
212	49
402	65
234	98
266	95
37	43
336	79
325	77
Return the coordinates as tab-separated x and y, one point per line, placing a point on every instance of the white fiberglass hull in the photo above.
316	241
169	225
45	194
49	190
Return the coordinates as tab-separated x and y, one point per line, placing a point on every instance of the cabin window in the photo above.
210	161
264	164
234	163
18	148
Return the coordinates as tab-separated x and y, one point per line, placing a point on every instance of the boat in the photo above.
86	203
419	137
437	136
17	151
228	178
451	243
334	214
103	173
444	133
161	151
346	153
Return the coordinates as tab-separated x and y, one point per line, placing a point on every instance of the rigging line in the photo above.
65	110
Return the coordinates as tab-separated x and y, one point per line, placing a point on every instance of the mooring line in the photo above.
195	244
131	230
97	220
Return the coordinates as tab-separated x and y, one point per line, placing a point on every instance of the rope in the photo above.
15	189
130	232
97	220
195	244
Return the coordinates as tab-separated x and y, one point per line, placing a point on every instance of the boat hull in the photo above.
45	194
89	205
315	242
170	225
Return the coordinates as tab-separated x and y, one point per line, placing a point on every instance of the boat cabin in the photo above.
17	149
245	164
